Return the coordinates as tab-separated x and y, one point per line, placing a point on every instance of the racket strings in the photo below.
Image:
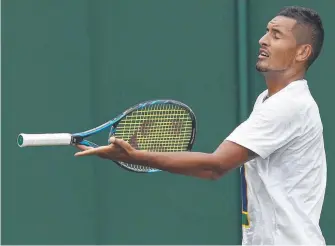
166	126
156	128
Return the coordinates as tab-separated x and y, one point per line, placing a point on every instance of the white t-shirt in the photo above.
285	185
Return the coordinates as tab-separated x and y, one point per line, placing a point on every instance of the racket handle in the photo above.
49	139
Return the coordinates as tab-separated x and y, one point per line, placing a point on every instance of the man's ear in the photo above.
304	52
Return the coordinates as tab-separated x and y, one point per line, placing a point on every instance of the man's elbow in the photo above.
217	175
218	167
207	175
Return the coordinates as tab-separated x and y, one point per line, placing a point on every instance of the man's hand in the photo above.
117	150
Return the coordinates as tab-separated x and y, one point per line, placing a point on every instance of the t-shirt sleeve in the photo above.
267	129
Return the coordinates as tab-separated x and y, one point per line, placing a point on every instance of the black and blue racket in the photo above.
156	125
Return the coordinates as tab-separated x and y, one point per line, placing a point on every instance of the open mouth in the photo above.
263	54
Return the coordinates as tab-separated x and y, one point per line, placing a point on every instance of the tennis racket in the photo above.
156	125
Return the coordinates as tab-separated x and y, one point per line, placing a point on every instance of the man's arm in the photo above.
226	157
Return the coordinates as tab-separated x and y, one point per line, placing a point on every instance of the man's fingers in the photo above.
83	147
92	151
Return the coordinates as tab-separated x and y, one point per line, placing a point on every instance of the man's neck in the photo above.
276	81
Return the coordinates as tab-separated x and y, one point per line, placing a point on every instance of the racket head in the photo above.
157	126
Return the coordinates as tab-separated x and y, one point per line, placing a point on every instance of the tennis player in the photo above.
279	148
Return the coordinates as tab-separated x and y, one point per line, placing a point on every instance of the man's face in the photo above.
278	46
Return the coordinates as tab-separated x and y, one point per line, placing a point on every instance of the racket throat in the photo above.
76	140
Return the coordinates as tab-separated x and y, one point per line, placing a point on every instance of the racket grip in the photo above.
48	139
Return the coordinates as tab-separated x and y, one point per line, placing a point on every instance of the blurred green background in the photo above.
70	65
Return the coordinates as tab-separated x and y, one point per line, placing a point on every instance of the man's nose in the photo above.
263	41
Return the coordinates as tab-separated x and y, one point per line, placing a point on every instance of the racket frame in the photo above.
79	138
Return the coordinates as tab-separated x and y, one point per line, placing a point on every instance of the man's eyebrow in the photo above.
274	29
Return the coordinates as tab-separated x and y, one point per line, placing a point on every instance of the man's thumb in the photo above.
123	144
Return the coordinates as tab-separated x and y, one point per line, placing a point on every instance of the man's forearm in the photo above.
197	164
